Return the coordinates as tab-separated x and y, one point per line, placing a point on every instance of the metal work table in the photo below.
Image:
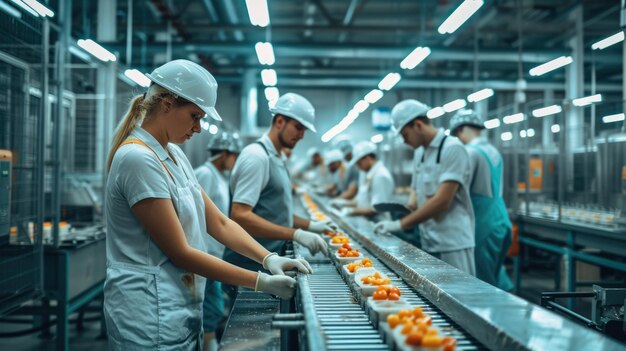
499	320
567	237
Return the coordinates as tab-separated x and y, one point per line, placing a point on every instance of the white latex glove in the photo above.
278	265
339	202
387	227
279	285
347	211
311	241
319	227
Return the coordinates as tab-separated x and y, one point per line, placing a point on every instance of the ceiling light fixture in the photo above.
415	57
551	65
459	16
480	95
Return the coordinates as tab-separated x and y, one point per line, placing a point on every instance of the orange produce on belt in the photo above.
407	328
449	344
393	296
393	320
415	338
417	312
404	313
380	294
430	340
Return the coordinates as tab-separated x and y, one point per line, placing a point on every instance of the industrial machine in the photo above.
607	309
6	157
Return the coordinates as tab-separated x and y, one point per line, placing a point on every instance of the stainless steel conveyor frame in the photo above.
497	319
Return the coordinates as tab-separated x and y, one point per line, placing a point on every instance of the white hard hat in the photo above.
405	111
343	143
333	156
190	81
312	152
297	107
465	117
361	150
219	142
236	145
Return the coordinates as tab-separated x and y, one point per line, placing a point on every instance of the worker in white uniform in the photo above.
157	216
376	185
444	208
493	226
260	183
351	180
213	178
336	173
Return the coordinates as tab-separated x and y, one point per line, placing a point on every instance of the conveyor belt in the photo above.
341	313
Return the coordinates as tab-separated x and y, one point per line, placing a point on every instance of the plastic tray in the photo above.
401	345
383	308
366	289
345	260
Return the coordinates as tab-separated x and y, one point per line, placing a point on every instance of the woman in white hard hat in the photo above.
157	215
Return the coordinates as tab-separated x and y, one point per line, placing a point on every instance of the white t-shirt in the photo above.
376	186
454	229
252	172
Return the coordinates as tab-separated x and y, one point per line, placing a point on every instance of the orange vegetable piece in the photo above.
380	295
393	320
394	289
432	341
415	338
377	275
408	327
366	260
346	246
449	344
368	264
432	331
393	296
404	313
418	312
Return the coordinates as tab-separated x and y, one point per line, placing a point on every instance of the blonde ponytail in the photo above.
127	125
141	107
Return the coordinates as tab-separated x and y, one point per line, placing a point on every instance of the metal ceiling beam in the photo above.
345	51
368	83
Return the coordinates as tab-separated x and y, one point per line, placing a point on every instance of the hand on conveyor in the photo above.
321	226
384	227
279	285
311	241
277	265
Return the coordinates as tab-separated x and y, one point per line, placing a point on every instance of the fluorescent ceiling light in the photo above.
271	93
459	16
613	118
258	12
435	112
606	42
10	9
269	78
373	96
271	103
454	105
415	57
361	106
516	118
96	50
213	129
377	138
506	136
138	77
265	53
522	133
480	95
546	111
25	7
555	128
551	65
530	132
41	9
492	123
587	100
389	81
